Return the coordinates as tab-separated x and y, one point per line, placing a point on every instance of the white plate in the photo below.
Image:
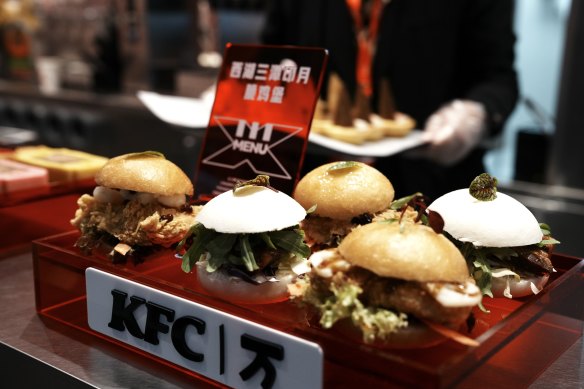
380	148
194	113
180	111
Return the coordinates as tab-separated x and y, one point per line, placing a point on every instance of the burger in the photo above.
246	245
400	283
340	196
140	203
507	250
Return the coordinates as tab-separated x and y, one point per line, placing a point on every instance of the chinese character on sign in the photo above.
236	69
264	93
277	95
262	71
264	351
289	73
275	73
268	72
248	71
303	75
250	92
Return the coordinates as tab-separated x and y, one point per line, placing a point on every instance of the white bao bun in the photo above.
526	286
503	222
250	210
236	290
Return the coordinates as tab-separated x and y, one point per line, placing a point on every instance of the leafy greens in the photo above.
343	303
237	249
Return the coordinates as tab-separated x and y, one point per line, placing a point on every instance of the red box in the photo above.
518	338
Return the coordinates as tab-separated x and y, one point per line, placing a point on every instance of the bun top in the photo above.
409	251
250	209
148	172
343	190
502	222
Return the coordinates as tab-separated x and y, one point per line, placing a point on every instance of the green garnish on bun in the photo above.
341	196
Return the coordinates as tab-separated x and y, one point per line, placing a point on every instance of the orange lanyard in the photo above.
366	40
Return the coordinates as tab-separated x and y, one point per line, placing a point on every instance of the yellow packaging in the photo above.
64	165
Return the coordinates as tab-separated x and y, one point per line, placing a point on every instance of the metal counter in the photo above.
35	354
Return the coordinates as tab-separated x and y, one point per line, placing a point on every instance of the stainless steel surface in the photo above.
566	372
90	361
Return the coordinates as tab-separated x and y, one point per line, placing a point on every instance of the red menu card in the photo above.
261	117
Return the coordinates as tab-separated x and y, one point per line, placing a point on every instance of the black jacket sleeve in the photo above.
489	46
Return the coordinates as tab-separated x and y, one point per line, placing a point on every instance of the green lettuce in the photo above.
343	303
481	259
220	249
547	232
480	264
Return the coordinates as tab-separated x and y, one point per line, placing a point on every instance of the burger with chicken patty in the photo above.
400	283
507	250
340	196
140	204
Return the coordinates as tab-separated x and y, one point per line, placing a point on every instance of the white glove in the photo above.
454	131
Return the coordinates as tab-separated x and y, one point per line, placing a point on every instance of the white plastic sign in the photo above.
220	346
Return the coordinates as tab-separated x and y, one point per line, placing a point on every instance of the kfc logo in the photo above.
230	350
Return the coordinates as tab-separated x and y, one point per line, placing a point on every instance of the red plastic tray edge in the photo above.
491	341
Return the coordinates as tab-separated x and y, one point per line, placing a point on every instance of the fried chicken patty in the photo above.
322	232
134	223
418	299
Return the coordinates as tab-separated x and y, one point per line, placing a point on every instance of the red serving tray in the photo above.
53	189
25	221
518	339
35	213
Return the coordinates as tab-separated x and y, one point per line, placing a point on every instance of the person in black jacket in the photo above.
450	64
